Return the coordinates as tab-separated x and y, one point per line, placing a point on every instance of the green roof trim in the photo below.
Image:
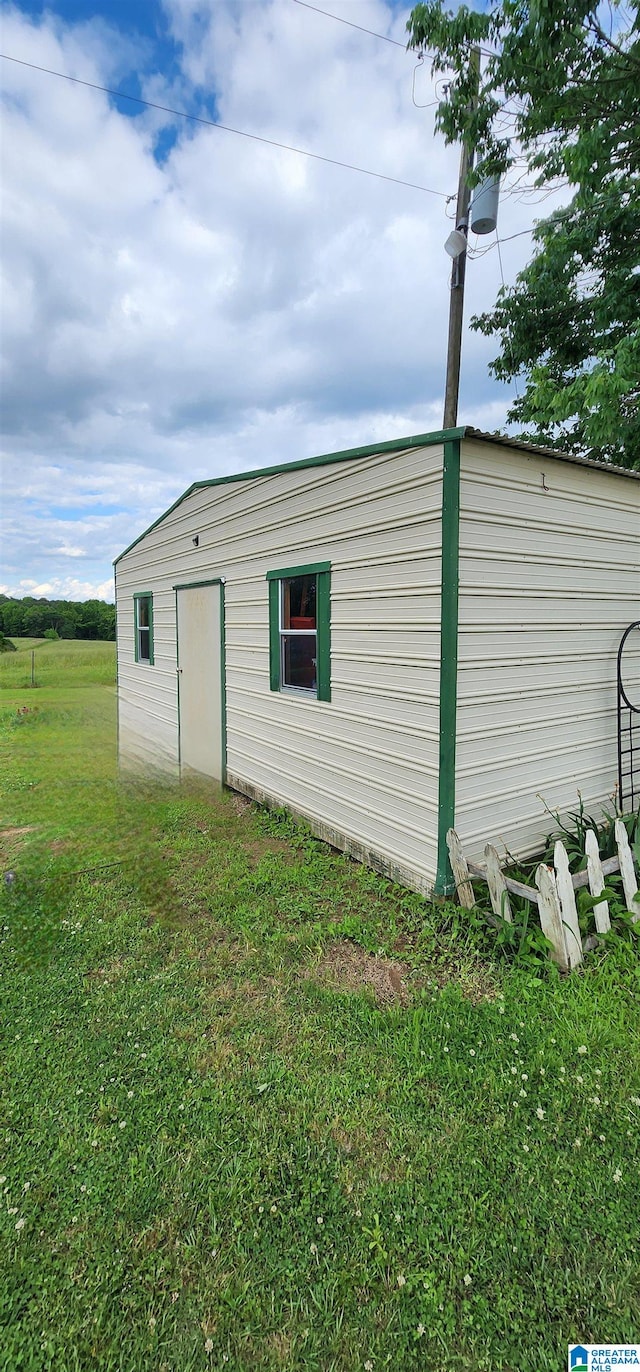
394	445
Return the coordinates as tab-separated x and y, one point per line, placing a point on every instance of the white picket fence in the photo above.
555	890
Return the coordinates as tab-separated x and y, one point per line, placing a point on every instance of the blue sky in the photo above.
181	302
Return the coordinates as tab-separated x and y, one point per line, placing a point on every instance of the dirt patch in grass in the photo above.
256	849
112	972
221	1056
244	996
59	845
11	839
281	1345
366	1151
476	983
347	967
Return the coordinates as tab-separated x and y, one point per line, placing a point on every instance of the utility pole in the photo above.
456	299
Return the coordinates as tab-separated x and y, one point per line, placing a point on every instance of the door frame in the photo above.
192	586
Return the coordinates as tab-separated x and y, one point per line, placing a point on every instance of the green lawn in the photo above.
22	644
262	1109
60	664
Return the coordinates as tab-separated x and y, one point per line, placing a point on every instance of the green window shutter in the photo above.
151	631
324	635
274	634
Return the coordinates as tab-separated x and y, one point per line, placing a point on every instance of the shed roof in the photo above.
539	448
390	446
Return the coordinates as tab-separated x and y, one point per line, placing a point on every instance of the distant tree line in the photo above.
39	618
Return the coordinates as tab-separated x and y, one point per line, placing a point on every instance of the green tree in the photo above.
13	618
66	625
558	105
35	618
93	619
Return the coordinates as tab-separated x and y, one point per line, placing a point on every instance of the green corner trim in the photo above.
175	593
449	587
137	597
223	686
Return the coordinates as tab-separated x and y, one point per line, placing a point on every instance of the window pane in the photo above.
299	661
143	612
299	602
143	644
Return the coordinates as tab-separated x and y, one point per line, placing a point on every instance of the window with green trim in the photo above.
143	622
300	630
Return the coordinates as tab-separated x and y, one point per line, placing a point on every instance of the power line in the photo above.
338	18
510	340
486	52
579	213
556	217
476	252
213	124
423	52
431	103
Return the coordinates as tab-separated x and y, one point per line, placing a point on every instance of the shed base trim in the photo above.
394	871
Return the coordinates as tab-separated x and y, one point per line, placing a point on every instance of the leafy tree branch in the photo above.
558	94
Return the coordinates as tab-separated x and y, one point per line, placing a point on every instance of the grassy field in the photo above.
264	1110
21	644
61	664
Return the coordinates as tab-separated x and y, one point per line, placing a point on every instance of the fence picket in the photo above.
567	897
629	883
460	871
551	915
497	885
554	891
596	882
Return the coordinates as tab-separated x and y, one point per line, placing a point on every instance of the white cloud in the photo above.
235	306
65	550
70	588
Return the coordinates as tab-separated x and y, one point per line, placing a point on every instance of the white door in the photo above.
200	679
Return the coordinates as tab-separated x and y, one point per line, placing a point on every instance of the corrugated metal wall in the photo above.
549	579
364	767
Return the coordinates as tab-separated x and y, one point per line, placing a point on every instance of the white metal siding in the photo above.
147	696
364	765
548	582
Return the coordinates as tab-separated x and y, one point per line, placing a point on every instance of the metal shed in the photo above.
389	641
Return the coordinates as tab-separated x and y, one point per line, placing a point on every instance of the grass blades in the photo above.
219	1148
